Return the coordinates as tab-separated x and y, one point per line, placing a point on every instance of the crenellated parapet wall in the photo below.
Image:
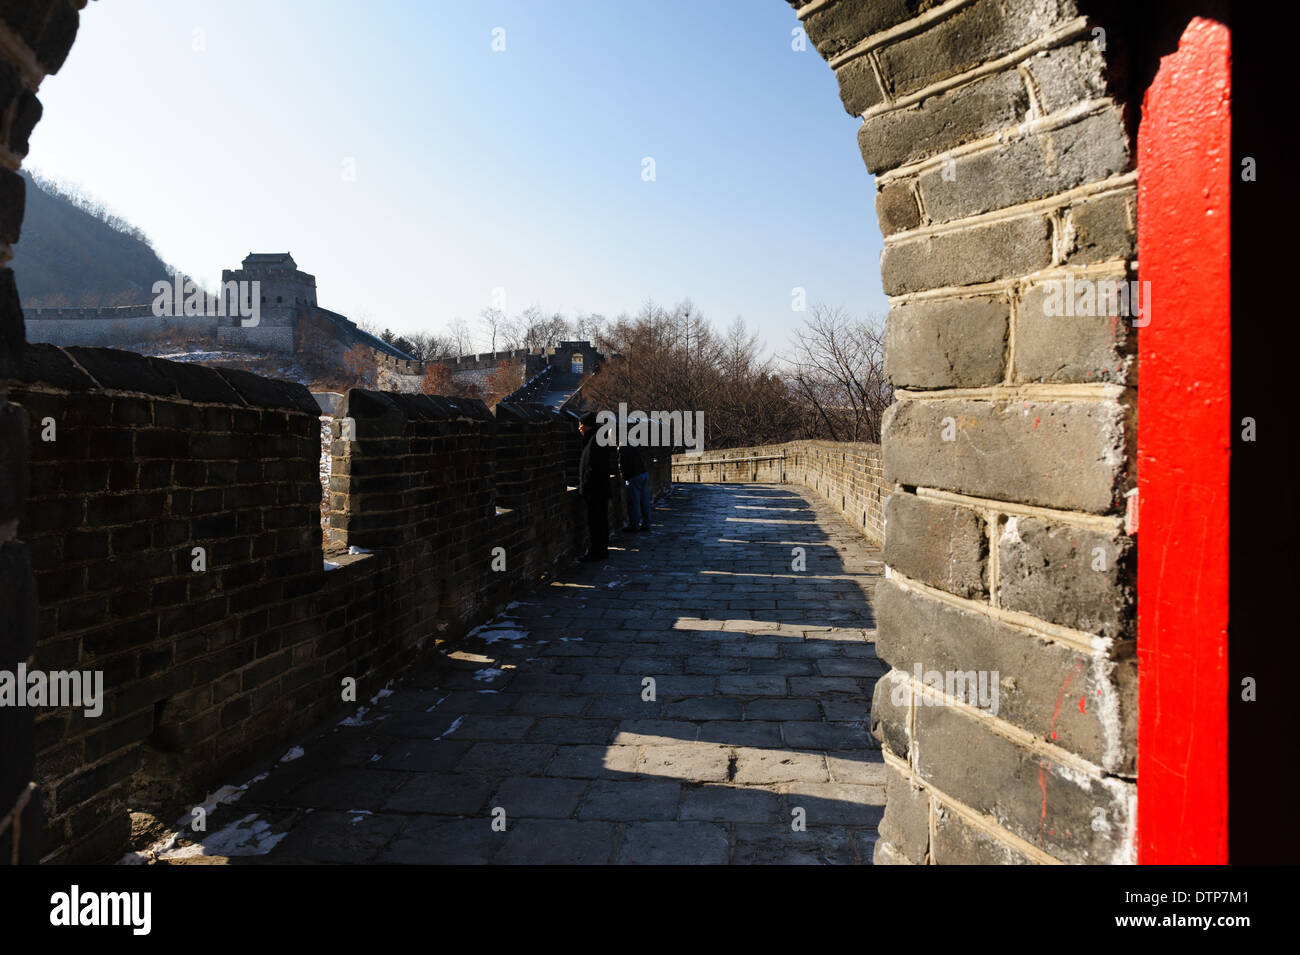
847	474
174	529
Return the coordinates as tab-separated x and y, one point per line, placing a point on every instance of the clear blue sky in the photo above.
477	169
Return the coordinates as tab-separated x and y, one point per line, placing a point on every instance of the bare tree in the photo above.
838	372
427	345
494	321
667	360
586	326
535	330
461	338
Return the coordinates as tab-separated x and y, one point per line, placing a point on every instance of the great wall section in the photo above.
288	313
1003	141
1004	593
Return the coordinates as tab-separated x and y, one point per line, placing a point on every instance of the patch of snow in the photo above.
293	754
356	718
250	836
151	853
492	636
452	728
330	565
487	673
354	549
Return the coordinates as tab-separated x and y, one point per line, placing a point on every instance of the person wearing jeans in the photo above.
636	482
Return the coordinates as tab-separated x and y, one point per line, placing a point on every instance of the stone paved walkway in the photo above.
762	685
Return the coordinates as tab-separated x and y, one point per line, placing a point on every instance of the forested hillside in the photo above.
73	252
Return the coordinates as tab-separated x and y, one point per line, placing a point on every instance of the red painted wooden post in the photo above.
1184	436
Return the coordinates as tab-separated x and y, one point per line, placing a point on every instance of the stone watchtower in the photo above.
282	282
572	362
285	292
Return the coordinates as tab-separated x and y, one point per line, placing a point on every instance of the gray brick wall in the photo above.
845	473
208	669
1001	146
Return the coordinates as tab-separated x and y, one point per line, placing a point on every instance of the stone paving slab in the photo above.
749	743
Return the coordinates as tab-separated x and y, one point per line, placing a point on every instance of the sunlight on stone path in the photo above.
762	680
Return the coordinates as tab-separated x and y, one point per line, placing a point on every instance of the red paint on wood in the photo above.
1184	436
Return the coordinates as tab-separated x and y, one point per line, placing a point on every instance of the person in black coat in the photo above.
594	470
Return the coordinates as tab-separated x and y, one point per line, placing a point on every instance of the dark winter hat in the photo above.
588	420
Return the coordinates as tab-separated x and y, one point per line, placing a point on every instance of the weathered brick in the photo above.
1060	348
119	734
1033	166
1069	575
1045	804
122	370
859	88
947	343
957	843
48	28
1034	675
86	784
906	824
939	544
982	31
1103	229
195	382
837	27
896	208
890	721
935	125
980	253
1077	450
1067	75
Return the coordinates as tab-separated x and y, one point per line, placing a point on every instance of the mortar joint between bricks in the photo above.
1021	210
1053	38
898	31
992	519
988	825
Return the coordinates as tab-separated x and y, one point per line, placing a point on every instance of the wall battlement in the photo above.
848	474
208	669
